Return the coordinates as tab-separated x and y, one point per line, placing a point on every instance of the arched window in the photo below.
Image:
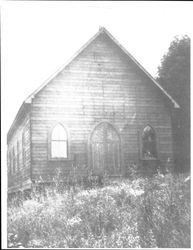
17	157
12	161
8	161
105	150
149	150
23	149
59	142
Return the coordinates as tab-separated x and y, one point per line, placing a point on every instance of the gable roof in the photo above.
101	30
28	100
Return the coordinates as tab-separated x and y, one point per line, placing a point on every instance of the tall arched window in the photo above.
12	161
17	158
59	142
23	149
105	149
149	150
8	161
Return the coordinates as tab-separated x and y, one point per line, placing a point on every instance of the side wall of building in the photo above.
18	156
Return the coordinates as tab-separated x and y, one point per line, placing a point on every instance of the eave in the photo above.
24	109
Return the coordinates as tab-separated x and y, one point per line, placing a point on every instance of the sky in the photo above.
37	37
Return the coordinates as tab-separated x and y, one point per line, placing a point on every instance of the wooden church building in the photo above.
97	114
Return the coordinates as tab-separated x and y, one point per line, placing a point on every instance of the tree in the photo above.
174	76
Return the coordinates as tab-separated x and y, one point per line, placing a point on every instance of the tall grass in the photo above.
165	212
144	212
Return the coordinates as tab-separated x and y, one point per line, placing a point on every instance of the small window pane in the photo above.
149	143
59	133
59	149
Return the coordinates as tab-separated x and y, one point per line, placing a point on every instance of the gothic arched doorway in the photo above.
105	150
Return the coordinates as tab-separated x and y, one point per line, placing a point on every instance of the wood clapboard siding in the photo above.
21	134
101	84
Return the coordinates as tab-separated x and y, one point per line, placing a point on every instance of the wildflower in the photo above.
187	179
136	192
163	185
73	221
19	245
15	236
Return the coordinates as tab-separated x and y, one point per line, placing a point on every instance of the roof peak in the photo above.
102	29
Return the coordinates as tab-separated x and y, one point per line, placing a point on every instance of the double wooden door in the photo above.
105	150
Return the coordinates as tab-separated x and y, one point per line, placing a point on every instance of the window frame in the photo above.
21	152
155	142
8	162
23	149
50	158
18	157
14	160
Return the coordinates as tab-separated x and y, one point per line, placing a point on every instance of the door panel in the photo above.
105	150
98	157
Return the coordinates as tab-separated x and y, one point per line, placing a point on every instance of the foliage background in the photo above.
174	76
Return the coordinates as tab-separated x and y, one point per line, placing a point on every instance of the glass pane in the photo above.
98	135
59	133
59	149
104	132
98	156
111	134
148	133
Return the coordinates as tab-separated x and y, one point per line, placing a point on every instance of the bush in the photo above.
152	212
132	171
89	218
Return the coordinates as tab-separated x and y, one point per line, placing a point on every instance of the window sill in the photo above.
150	159
60	159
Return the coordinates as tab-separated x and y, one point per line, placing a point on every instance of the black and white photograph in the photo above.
96	134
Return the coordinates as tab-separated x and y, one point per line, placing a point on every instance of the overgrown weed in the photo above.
144	212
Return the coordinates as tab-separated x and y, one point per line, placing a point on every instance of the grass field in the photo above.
143	212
